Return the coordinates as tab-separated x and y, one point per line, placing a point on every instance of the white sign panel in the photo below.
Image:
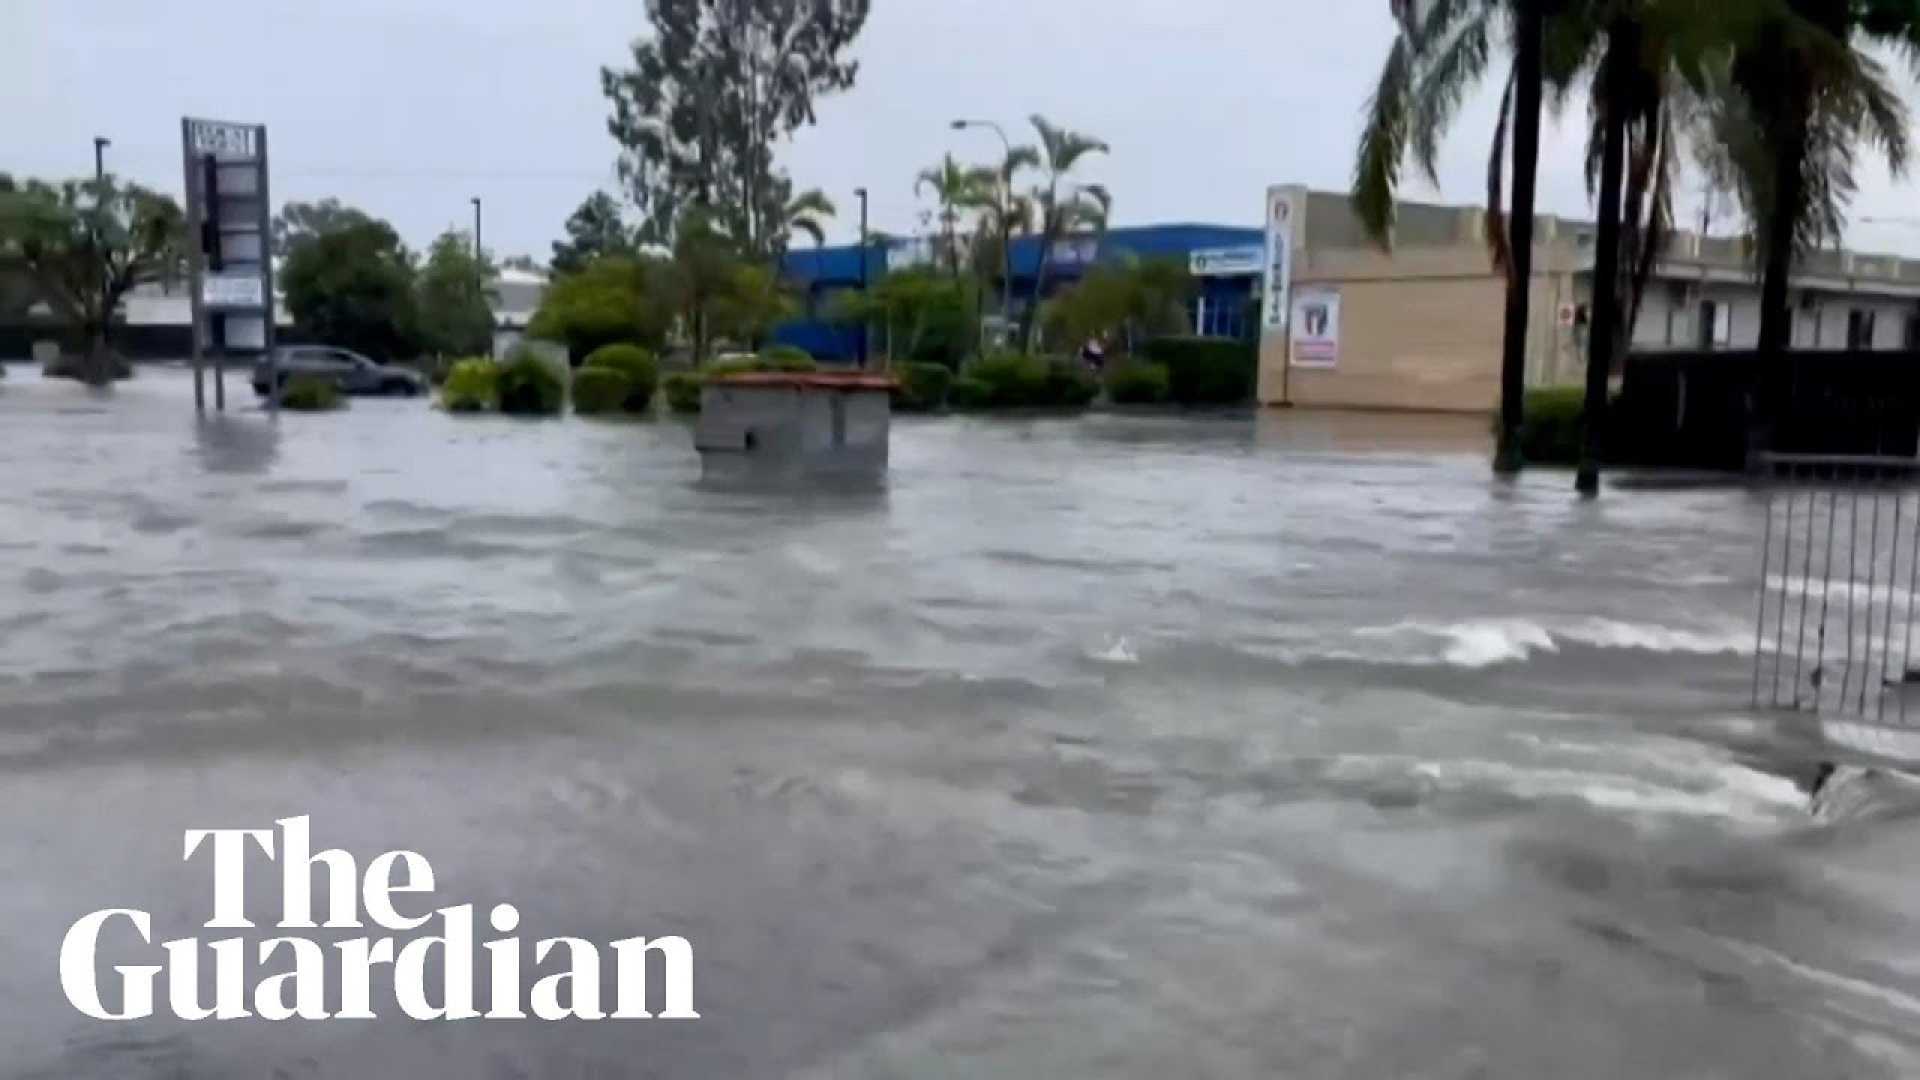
235	291
1277	286
1316	328
1240	261
226	142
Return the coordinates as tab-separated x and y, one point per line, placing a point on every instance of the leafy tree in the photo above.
300	220
710	91
804	213
614	299
594	230
1004	214
752	303
84	244
705	272
924	315
1126	301
455	311
353	286
1061	211
955	188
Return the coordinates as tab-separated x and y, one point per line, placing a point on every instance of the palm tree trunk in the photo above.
1623	42
1776	313
1526	167
1030	324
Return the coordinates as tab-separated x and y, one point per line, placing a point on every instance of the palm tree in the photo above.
1439	52
1808	98
955	188
1060	151
1004	212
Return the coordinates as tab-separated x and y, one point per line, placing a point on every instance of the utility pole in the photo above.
864	326
100	144
476	228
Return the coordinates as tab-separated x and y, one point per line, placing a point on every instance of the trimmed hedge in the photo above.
1553	425
600	390
1138	383
786	358
1206	371
635	364
1016	381
683	391
308	394
471	386
968	392
923	387
528	386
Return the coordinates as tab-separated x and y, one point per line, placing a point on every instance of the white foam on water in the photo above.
1117	650
1484	642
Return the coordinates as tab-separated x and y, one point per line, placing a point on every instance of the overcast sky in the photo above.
406	108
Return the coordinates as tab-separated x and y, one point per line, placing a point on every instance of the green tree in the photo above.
353	286
455	302
84	244
704	273
1439	52
709	93
750	305
1125	301
594	230
300	220
924	315
805	213
1809	97
1061	208
615	299
955	188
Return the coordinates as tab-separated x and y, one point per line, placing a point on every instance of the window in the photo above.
1860	328
1716	324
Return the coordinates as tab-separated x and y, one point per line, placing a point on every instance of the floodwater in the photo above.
1117	746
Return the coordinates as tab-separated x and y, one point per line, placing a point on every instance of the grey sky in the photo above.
408	107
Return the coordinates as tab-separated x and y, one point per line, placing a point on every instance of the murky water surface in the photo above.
1117	746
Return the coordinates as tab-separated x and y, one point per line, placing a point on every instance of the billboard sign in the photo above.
1243	261
231	264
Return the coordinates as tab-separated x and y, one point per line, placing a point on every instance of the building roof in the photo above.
1072	253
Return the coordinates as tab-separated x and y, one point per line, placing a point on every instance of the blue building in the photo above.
1226	262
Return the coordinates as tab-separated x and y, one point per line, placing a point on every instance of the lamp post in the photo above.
862	193
100	144
476	227
1006	233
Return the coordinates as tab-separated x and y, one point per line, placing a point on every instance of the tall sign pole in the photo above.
229	209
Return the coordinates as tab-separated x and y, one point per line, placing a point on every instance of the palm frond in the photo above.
1452	69
1498	243
1383	143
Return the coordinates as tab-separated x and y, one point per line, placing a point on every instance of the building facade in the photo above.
1420	326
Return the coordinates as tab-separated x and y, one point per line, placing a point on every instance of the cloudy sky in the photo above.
407	108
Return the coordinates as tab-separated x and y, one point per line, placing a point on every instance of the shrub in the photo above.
600	390
528	386
308	394
683	391
1206	371
719	368
1068	384
1138	383
786	358
968	392
471	386
1012	379
923	387
633	362
1553	425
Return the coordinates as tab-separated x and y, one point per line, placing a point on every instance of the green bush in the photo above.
1012	379
1138	383
1206	371
471	385
528	386
683	391
786	358
719	368
1068	384
636	364
1553	426
968	392
923	387
600	390
308	394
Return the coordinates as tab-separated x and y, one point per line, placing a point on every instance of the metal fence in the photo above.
1839	568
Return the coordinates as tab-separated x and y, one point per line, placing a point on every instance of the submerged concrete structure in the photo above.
794	428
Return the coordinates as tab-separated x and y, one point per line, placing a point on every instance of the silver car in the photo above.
348	370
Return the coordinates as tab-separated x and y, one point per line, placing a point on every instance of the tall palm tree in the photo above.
1060	151
1808	98
1440	50
1004	212
955	188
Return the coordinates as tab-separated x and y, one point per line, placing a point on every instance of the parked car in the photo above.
351	372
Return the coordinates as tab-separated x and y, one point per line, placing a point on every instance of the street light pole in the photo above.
476	227
865	327
1006	231
100	144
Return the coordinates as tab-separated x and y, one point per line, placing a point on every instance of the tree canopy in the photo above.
613	299
352	285
594	230
455	313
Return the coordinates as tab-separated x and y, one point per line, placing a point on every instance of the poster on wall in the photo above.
1276	288
1316	328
